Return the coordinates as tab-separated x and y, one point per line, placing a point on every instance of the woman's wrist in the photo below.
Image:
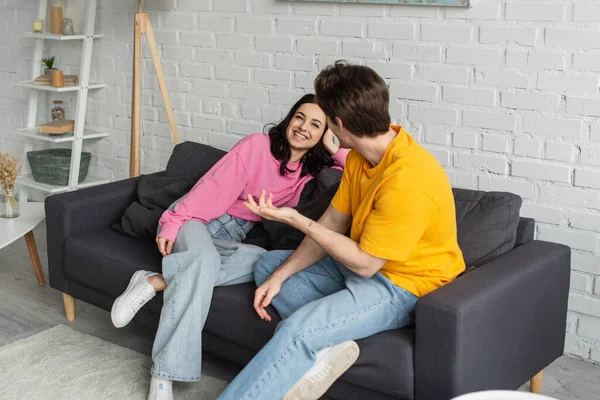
332	148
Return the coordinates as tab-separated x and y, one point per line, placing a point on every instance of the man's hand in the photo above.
266	209
164	246
265	293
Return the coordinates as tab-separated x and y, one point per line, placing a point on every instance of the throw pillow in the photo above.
487	224
155	192
285	237
191	159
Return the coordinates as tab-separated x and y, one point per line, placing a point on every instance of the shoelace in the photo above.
140	299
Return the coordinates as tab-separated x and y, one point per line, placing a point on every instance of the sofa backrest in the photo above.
488	223
525	231
191	159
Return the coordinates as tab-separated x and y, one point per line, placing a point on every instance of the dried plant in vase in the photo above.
9	170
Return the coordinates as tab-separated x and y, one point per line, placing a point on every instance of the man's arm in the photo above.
309	251
340	247
391	231
324	236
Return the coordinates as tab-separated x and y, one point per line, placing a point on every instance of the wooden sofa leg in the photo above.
536	383
69	306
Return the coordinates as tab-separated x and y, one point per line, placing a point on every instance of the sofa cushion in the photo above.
487	224
525	231
191	159
285	237
105	261
385	363
155	193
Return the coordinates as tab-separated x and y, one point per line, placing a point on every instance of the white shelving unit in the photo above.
66	88
28	181
53	36
82	131
88	133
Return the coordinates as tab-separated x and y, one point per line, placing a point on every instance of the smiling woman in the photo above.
200	235
298	138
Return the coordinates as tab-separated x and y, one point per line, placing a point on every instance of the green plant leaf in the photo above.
49	61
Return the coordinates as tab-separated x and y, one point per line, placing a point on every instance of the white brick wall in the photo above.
586	12
534	11
504	94
522	36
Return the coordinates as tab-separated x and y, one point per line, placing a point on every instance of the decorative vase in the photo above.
9	206
58	112
58	79
56	19
67	27
48	71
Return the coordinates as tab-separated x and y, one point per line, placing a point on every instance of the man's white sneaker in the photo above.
138	293
160	389
330	364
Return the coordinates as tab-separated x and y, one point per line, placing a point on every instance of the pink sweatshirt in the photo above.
247	169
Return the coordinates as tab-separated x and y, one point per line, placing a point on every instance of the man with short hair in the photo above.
397	201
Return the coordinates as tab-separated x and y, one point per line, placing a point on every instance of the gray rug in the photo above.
62	364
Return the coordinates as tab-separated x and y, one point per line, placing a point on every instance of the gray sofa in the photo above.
494	327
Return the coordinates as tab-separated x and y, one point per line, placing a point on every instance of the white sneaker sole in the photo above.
119	301
340	362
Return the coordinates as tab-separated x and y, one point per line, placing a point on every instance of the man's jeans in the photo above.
203	256
324	305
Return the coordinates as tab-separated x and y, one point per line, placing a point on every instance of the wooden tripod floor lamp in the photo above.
143	25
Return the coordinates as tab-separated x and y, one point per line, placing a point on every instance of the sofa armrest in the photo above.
82	211
495	327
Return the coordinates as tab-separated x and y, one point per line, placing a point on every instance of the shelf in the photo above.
48	88
88	133
28	181
52	36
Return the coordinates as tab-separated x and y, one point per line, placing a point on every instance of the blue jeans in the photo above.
324	305
203	256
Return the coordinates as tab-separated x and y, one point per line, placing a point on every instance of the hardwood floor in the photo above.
26	309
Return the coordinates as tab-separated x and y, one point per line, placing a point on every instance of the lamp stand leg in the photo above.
134	158
161	78
143	25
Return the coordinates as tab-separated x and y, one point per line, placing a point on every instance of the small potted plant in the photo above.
49	62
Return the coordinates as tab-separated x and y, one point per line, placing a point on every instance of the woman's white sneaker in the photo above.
330	364
138	292
160	389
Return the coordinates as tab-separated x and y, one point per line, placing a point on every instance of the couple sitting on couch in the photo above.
394	197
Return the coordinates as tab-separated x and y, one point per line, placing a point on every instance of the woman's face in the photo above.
306	127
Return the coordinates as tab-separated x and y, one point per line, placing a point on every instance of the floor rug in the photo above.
63	364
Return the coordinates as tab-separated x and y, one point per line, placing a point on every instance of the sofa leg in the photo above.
69	306
536	383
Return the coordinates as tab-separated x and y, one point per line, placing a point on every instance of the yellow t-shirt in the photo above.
403	211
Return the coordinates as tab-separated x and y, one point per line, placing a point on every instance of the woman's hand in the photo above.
265	293
328	142
164	246
266	209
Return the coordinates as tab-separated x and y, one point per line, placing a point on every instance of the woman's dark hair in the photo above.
314	160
